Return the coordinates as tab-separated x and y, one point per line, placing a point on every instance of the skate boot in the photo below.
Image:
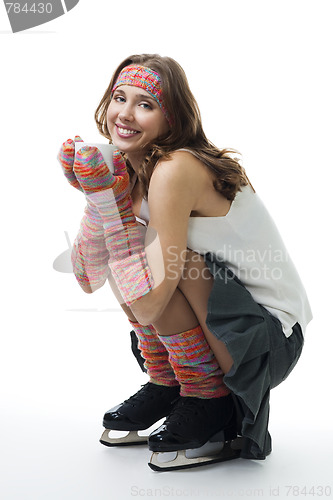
151	403
197	432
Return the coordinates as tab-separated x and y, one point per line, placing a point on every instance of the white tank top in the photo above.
247	240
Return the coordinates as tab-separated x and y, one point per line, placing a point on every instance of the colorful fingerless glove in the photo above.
89	255
123	238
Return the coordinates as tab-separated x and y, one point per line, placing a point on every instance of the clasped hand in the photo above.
88	171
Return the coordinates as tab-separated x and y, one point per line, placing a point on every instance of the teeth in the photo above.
126	131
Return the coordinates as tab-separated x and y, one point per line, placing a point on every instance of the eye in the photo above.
119	98
145	105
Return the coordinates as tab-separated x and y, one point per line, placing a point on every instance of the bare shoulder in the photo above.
182	175
186	184
181	164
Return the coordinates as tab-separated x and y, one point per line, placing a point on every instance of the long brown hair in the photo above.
186	130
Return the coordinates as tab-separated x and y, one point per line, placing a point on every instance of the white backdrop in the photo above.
261	72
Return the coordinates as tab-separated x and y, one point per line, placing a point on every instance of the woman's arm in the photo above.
174	191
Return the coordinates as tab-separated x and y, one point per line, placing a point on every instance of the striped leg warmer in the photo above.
156	356
194	364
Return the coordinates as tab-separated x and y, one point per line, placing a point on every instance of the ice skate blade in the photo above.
132	438
182	460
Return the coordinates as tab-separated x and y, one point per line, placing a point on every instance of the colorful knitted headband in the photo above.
146	79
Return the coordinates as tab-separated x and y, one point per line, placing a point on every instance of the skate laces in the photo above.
185	409
148	390
141	395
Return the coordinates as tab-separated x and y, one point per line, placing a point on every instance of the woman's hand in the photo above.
66	159
94	175
110	192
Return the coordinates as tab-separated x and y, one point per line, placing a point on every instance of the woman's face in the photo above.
134	120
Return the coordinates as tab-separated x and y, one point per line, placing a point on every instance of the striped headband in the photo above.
146	79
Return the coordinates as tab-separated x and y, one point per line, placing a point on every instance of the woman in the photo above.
212	295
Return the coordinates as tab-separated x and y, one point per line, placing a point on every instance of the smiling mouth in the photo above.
126	131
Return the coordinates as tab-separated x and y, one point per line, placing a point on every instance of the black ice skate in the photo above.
151	403
197	432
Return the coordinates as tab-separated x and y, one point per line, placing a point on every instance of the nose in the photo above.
126	112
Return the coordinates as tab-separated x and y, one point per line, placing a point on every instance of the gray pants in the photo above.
263	356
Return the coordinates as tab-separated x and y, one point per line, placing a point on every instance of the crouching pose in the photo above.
197	264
